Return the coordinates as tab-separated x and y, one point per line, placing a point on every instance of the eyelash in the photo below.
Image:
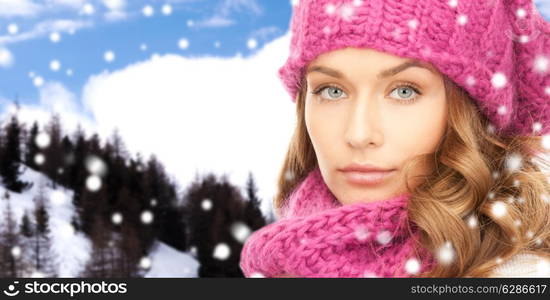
410	85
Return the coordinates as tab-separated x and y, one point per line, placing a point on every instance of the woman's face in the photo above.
371	107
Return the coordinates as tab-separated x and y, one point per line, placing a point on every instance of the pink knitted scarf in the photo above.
317	236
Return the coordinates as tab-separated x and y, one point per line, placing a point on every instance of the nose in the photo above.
364	128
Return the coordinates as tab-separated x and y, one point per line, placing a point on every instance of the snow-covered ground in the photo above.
72	249
169	262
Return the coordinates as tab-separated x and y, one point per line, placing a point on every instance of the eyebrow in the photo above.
384	74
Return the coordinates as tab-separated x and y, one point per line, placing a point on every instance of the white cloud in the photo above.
116	10
54	98
45	28
74	4
13	8
205	113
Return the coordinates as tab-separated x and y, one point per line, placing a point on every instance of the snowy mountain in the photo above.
72	249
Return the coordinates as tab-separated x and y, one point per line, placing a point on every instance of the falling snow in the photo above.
498	80
55	65
55	37
412	266
222	251
148	11
147	217
384	237
116	218
39	159
514	162
240	231
95	165
167	9
541	64
498	209
93	183
109	56
446	254
42	140
183	44
206	204
145	262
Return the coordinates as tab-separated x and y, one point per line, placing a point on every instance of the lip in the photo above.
366	174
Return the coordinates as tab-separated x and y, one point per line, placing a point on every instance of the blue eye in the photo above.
329	92
406	93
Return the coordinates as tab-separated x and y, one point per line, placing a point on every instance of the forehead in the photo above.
348	60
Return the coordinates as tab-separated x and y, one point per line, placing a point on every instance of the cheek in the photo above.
420	130
323	129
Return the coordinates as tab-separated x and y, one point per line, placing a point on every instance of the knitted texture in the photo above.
316	236
496	50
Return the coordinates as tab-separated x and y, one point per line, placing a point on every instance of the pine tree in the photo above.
42	254
12	263
214	207
54	151
253	214
10	159
31	148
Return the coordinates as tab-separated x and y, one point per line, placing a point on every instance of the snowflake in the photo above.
472	221
517	223
547	90
330	9
222	251
148	11
146	217
109	56
13	28
453	3
470	80
240	231
498	80
183	43
537	126
190	23
370	274
95	165
445	253
16	251
541	64
361	233
167	9
502	110
514	162
384	237
93	183
55	37
462	20
153	202
88	9
69	72
116	218
413	24
39	159
412	266
38	81
42	140
145	262
252	44
55	65
521	13
206	204
143	47
498	209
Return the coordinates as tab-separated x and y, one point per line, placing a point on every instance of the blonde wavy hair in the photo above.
455	202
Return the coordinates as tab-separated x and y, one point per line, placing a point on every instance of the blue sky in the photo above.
133	30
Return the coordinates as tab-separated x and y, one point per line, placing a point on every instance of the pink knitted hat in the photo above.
497	50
